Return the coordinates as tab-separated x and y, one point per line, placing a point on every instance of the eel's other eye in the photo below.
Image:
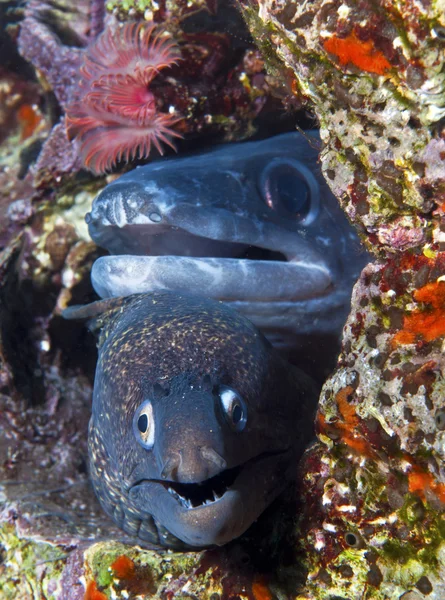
289	188
234	408
144	425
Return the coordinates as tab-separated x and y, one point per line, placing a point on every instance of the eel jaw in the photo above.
228	279
231	257
215	511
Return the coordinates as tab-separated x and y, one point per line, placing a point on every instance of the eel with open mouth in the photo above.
197	421
253	224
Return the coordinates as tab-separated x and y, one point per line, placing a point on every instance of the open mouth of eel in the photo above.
227	270
210	491
233	251
218	509
195	495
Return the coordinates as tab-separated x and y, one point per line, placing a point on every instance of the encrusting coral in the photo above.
374	484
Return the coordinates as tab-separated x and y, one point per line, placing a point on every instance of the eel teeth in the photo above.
188	503
214	498
185	502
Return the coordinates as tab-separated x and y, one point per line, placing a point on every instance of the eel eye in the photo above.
144	425
234	408
290	189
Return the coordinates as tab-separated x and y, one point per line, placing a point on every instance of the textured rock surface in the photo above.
374	524
375	73
372	519
375	480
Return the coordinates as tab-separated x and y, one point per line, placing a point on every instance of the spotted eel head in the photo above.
197	422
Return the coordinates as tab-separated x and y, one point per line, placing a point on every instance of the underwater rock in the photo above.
18	106
22	124
58	67
166	10
374	74
373	525
375	483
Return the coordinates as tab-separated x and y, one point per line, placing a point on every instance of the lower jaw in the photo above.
224	279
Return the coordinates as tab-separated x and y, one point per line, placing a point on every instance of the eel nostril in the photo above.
211	456
171	466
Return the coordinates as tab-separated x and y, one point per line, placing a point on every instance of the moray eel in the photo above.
253	224
197	421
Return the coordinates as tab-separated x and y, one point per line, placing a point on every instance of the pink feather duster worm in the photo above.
117	117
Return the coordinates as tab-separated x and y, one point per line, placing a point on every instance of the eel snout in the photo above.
192	463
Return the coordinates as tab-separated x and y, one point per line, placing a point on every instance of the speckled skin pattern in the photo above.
179	352
374	497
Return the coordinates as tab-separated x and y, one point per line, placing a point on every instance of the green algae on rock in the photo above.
157	11
22	560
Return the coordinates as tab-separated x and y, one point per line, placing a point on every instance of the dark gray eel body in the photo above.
197	422
253	224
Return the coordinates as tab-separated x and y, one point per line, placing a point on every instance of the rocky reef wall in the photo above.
370	522
375	481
